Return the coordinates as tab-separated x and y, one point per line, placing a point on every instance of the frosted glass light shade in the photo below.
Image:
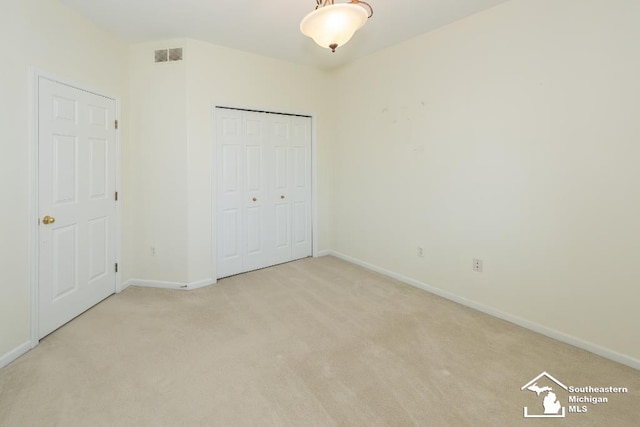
333	25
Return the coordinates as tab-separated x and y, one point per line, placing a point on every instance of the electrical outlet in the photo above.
477	265
420	252
153	251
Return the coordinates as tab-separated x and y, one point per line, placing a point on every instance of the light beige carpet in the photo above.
316	342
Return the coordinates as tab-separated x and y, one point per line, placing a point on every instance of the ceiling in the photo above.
271	28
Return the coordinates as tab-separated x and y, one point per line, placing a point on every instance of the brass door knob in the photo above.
255	200
48	220
282	197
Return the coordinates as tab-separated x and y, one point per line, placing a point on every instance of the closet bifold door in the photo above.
263	191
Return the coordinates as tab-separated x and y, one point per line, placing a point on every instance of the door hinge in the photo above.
116	267
116	196
116	123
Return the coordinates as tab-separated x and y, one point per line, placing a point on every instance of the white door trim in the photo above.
214	172
34	75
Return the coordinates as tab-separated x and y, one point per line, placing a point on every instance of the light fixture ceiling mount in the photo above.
331	25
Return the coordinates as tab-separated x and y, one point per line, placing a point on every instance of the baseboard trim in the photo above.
532	326
168	285
323	252
124	285
15	353
201	283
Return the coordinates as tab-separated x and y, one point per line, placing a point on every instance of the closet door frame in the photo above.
214	175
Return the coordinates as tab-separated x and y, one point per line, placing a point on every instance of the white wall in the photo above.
47	35
171	173
157	174
511	136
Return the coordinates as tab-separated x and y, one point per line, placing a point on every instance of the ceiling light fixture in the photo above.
331	25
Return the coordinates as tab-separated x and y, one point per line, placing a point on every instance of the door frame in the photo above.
34	192
214	176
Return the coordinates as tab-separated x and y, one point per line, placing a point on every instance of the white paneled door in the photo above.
263	191
76	186
254	208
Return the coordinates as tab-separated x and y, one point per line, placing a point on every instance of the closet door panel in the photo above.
229	215
258	252
280	143
301	187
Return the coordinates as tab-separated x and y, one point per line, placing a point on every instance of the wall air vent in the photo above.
165	55
162	55
175	54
